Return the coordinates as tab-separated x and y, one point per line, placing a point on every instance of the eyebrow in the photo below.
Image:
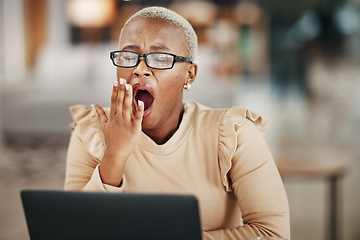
131	47
158	47
154	47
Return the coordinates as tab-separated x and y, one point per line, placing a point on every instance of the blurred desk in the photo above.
332	171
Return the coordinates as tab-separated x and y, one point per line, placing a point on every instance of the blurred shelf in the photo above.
332	170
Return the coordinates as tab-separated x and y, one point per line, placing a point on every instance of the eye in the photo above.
161	58
128	57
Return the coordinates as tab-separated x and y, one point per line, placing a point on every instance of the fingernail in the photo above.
122	81
140	103
127	86
116	83
92	105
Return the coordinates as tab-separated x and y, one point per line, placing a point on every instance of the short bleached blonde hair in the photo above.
172	17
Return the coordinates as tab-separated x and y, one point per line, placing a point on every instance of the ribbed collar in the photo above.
177	138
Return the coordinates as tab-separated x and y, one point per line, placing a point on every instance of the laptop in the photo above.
121	216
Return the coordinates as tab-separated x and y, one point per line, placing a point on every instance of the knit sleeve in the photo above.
85	152
249	172
231	121
87	124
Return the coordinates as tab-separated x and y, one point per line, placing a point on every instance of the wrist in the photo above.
111	170
114	158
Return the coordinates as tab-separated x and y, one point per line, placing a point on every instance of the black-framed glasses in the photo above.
155	60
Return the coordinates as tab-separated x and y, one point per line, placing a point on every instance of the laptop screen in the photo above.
91	215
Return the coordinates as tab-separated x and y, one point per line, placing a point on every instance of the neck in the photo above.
163	133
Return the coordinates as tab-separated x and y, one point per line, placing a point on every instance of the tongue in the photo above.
145	97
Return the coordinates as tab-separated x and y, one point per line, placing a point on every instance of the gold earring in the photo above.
187	86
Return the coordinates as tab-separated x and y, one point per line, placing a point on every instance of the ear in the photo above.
191	73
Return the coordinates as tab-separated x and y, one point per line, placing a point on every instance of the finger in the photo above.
120	96
139	113
127	106
102	117
113	105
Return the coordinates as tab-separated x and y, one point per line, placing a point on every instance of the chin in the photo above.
148	122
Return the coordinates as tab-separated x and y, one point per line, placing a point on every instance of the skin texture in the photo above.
122	129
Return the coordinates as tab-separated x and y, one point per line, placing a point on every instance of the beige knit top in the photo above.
219	156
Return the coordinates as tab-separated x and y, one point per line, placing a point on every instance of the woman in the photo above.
150	141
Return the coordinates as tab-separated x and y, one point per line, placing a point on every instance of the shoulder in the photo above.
237	127
86	127
203	115
237	118
83	115
229	118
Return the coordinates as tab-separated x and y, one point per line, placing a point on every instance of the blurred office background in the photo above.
295	62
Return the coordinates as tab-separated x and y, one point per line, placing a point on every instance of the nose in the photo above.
142	69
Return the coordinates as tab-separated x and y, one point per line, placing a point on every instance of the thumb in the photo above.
103	119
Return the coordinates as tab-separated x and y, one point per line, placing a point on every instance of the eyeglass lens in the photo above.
153	60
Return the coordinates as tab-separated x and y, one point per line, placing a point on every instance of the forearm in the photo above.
244	232
82	169
80	164
263	202
111	169
257	184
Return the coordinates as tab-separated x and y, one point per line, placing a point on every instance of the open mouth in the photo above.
144	93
